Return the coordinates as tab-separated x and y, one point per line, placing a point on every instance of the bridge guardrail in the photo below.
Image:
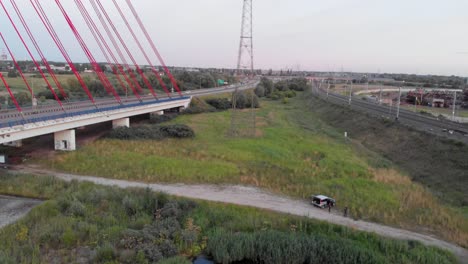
20	122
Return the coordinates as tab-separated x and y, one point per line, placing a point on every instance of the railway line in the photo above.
433	125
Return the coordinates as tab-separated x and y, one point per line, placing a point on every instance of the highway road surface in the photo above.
11	117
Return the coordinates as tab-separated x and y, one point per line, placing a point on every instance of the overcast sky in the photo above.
410	36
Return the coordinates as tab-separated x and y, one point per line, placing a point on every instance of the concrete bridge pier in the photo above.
65	140
15	144
158	113
123	122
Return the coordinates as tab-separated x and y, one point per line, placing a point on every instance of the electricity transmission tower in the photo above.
242	123
246	57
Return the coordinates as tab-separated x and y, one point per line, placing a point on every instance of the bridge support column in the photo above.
158	113
15	144
65	140
124	122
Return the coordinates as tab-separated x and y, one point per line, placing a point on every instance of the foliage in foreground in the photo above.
136	226
279	248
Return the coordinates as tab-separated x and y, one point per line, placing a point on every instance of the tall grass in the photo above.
294	156
109	225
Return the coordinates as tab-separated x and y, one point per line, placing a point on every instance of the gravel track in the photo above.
253	197
14	208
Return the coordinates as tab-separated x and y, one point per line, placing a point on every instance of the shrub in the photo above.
260	90
69	238
198	106
175	260
177	131
219	103
277	247
105	253
143	132
130	205
76	209
246	99
12	74
158	119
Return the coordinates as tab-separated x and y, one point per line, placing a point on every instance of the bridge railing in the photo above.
30	120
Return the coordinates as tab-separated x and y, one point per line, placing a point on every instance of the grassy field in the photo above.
95	224
38	84
292	155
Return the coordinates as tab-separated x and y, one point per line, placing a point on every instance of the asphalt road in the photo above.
12	115
427	123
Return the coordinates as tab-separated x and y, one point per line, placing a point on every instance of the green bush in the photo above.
246	99
177	131
158	119
105	253
131	133
260	90
277	247
175	260
152	132
219	103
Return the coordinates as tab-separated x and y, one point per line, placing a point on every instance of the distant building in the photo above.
3	56
54	68
440	103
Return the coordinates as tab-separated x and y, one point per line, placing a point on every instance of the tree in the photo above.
267	85
12	74
23	98
260	90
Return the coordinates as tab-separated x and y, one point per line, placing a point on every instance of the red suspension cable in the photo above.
46	22
153	46
32	57
161	82
98	70
88	53
116	46
145	80
39	50
17	66
11	94
86	19
99	38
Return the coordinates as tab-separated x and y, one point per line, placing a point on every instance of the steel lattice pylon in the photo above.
243	124
245	61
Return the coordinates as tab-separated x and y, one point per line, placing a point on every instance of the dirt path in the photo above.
249	196
13	208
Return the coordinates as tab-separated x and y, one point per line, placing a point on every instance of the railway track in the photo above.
418	121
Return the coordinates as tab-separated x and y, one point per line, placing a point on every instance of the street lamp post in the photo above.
350	93
399	101
380	95
454	106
